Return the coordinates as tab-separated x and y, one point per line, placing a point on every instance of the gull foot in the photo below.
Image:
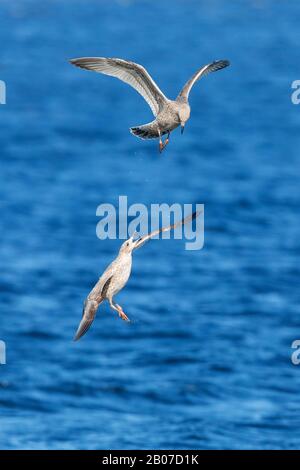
121	313
123	316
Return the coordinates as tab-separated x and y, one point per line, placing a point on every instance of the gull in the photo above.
168	114
116	276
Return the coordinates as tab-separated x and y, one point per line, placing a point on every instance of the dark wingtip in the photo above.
224	63
191	217
75	62
77	336
78	63
196	214
81	331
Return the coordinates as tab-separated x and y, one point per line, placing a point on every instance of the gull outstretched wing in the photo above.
145	238
131	73
213	67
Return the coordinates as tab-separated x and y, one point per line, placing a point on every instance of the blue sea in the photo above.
206	362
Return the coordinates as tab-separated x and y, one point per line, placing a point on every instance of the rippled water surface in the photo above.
206	362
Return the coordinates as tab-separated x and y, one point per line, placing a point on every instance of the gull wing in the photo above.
88	316
213	67
142	240
131	73
93	300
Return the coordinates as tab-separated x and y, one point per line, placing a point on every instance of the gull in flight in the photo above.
168	114
115	278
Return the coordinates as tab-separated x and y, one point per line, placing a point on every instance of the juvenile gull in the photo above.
115	278
169	114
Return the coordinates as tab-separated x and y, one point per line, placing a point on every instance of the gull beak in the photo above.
133	240
137	243
182	128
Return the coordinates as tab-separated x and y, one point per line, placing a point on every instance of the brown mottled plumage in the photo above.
169	114
115	278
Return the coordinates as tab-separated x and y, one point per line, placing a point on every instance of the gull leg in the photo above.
121	313
118	309
167	140
161	144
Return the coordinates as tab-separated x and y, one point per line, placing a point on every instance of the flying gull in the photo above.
169	114
115	278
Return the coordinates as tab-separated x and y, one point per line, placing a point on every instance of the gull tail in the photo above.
147	131
88	315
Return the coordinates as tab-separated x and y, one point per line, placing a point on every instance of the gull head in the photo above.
184	115
128	245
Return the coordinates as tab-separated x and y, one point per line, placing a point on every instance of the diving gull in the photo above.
115	278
